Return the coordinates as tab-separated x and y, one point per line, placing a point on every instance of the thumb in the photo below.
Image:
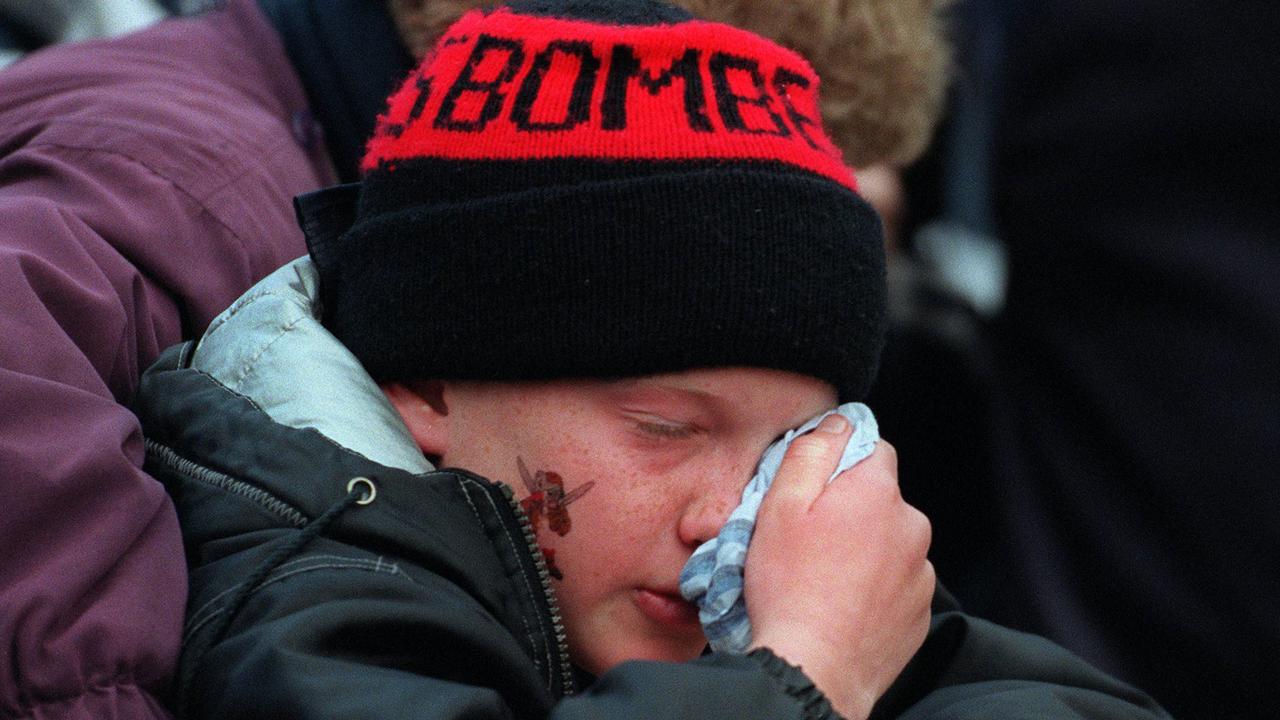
810	462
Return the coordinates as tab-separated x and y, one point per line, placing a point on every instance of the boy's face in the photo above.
623	479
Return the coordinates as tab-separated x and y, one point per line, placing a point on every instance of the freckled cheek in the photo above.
595	526
722	505
608	533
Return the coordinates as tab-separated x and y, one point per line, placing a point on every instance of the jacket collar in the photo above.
271	348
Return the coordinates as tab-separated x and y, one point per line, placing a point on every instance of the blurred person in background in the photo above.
144	184
934	393
1136	150
1130	380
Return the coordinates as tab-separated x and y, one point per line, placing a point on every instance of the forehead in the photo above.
743	396
745	384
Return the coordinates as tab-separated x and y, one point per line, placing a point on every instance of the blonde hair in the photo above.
884	64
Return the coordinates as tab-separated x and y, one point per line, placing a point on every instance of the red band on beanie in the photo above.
503	86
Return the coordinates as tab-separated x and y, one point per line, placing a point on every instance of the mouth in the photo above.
666	608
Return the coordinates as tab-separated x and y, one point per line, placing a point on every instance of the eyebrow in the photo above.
718	405
648	385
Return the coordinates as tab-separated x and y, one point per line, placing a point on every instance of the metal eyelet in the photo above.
369	496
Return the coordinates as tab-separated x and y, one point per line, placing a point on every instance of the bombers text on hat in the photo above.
601	189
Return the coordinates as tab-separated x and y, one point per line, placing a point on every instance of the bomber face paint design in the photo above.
548	499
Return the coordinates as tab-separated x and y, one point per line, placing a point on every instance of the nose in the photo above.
708	507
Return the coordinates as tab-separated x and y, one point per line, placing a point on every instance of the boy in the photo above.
602	256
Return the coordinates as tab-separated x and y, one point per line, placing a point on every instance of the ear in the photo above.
422	406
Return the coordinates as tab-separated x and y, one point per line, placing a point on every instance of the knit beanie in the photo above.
603	188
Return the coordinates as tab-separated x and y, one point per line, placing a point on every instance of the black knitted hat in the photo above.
595	188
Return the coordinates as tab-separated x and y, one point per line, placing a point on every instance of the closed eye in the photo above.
670	431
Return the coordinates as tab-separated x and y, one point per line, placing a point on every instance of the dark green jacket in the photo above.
431	600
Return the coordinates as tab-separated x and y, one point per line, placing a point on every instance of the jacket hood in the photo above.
271	348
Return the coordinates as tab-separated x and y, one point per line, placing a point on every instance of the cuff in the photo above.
796	684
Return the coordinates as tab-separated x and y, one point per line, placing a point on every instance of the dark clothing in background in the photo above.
145	183
1140	351
13	38
350	59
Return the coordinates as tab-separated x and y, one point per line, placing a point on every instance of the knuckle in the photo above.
922	528
811	446
880	468
887	452
882	486
928	584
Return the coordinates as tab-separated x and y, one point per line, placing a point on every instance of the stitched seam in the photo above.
267	160
377	567
386	568
204	209
510	541
252	403
528	631
248	367
264	156
170	458
240	306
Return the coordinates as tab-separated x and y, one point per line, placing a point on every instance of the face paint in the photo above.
548	498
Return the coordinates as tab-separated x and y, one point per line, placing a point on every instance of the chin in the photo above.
651	649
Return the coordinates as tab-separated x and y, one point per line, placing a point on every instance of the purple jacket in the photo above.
144	185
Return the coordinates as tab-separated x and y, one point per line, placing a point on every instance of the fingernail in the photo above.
833	424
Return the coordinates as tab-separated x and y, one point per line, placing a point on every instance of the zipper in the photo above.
168	457
544	576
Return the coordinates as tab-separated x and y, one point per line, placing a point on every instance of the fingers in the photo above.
879	469
857	547
879	472
874	481
809	462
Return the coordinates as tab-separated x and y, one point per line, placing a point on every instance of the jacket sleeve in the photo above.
135	204
976	670
92	587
